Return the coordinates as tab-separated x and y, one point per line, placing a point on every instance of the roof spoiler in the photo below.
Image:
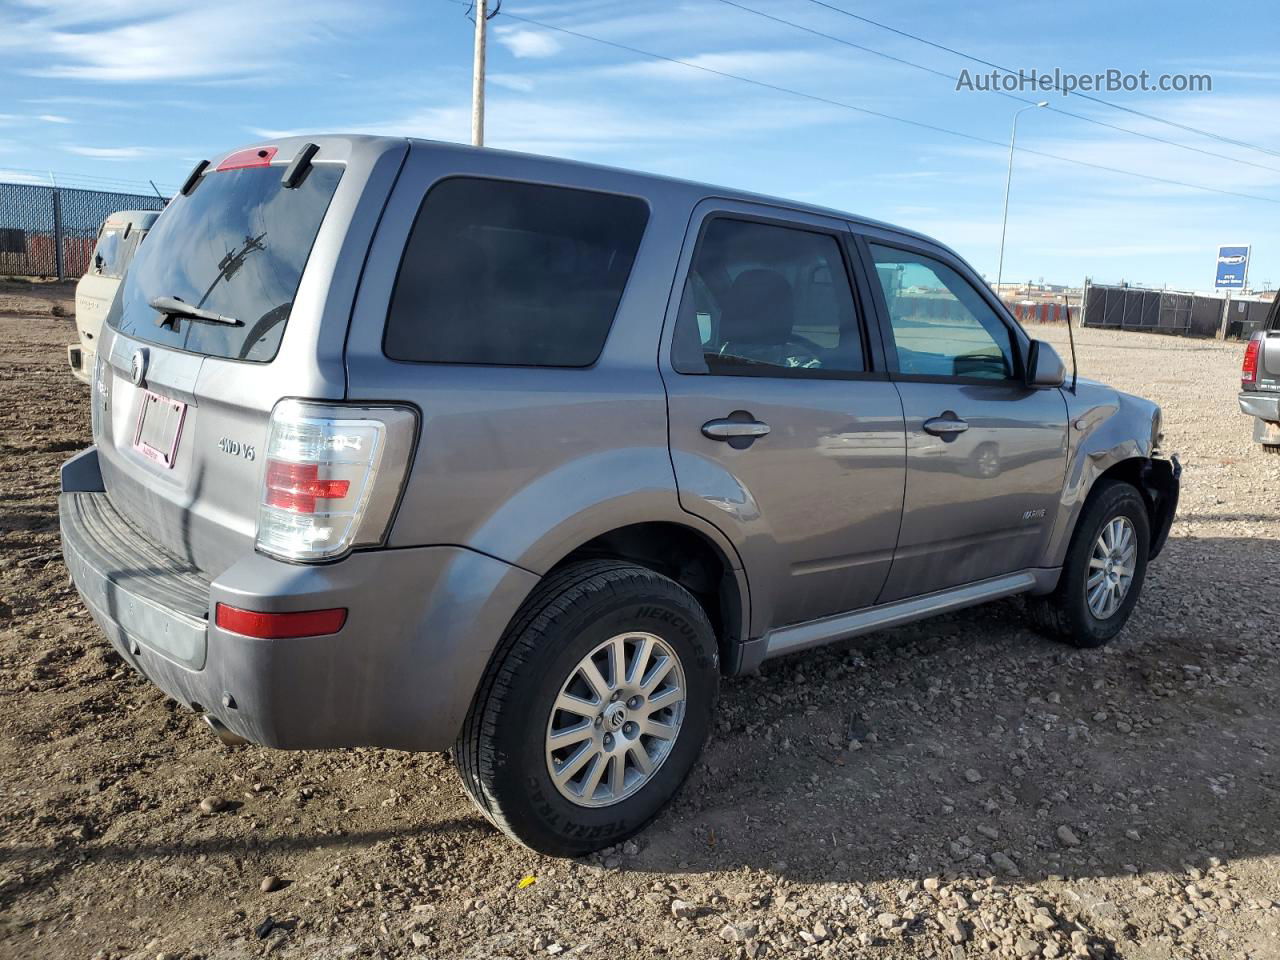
193	178
298	166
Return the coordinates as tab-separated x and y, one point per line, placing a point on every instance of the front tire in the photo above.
1103	572
594	709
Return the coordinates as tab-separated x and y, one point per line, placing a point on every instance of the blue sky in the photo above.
141	89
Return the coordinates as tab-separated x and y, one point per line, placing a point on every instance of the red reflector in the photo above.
253	157
1249	372
297	486
280	626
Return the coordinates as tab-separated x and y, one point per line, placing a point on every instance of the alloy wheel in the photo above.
615	719
1111	567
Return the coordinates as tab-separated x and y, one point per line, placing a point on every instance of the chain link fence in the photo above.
51	231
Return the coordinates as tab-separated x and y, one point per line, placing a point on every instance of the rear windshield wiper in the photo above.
175	307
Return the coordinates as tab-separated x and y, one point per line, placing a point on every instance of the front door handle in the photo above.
945	426
734	429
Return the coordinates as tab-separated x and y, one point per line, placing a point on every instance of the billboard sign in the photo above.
1233	267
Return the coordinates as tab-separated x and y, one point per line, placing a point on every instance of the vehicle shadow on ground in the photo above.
975	740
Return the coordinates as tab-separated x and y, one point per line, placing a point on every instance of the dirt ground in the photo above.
959	788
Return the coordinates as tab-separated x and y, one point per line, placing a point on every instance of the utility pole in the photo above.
481	8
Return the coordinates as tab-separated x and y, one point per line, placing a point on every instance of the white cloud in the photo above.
762	65
124	41
523	42
521	83
54	118
108	153
23	176
587	128
275	133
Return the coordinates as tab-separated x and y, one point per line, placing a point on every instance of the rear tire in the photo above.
1067	613
595	613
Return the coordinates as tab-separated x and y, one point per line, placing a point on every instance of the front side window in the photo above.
761	299
942	327
517	274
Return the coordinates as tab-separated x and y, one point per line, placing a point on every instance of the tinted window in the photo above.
512	273
236	245
941	325
761	299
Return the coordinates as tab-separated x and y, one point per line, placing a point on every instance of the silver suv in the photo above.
411	445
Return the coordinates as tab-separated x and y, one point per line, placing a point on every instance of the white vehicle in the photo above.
117	241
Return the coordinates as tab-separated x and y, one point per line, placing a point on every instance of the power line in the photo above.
1076	93
875	113
83	180
1007	95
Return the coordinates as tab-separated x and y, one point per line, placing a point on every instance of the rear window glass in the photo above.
111	255
516	274
235	246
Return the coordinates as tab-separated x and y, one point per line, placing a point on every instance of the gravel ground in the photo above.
959	788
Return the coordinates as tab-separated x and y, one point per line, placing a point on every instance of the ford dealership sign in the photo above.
1233	267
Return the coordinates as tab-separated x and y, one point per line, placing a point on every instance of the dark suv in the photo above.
420	446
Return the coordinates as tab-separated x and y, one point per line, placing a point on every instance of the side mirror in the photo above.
1044	367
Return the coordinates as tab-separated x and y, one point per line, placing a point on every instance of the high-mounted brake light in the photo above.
1249	371
280	626
333	475
253	157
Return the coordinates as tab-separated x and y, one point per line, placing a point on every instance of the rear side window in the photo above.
110	256
517	274
767	300
236	246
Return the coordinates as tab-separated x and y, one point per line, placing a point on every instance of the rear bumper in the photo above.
1264	406
421	626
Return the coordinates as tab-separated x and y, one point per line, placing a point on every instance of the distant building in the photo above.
1027	288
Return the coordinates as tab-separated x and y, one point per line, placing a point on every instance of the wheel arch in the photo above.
1155	480
692	558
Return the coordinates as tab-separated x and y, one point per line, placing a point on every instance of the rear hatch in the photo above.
182	403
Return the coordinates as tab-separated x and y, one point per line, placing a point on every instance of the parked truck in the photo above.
1260	381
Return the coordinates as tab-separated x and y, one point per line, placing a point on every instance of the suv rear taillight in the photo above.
333	476
1249	371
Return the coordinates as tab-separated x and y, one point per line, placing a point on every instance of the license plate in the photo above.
159	428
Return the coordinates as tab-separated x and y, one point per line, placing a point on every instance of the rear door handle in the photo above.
945	426
734	429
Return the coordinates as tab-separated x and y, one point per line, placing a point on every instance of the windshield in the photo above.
235	246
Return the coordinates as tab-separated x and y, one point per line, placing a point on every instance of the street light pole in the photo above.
1008	180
